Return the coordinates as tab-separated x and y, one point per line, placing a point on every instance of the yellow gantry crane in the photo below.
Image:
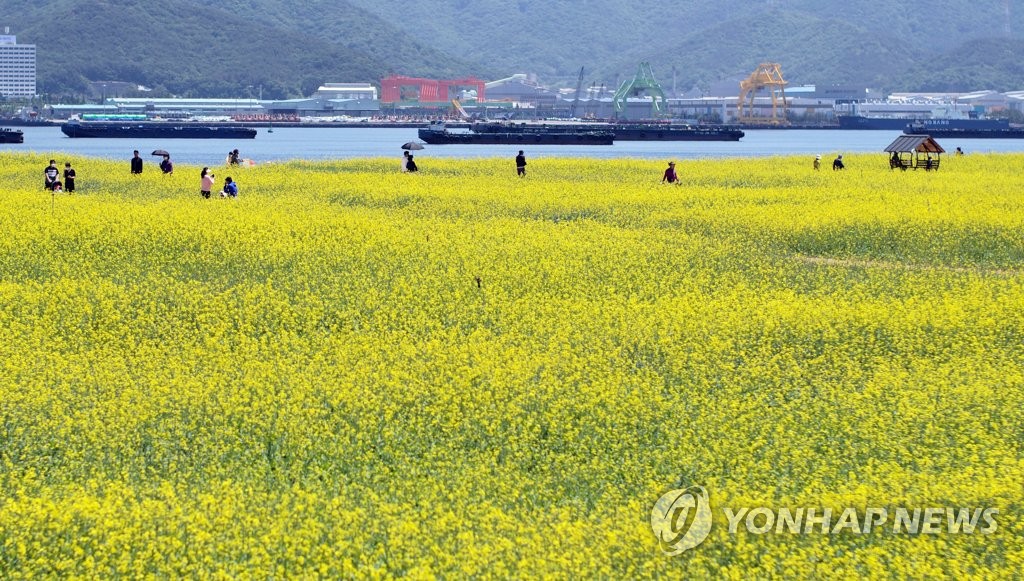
767	76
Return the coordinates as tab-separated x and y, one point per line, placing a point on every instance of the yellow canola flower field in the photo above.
352	372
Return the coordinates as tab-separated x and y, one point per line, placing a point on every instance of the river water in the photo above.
286	143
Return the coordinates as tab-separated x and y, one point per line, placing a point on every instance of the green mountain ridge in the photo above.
289	48
195	50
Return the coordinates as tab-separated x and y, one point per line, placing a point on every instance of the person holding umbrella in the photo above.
407	163
166	165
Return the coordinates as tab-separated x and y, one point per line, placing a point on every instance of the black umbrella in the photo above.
159	152
412	145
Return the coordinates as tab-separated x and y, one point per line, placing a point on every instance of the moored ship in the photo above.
899	123
11	136
1007	132
438	134
623	131
896	115
156	129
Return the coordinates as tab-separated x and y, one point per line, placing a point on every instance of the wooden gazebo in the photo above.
914	152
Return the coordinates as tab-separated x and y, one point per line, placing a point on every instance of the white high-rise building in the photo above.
17	67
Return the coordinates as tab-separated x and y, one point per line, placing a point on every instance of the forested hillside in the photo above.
190	48
876	42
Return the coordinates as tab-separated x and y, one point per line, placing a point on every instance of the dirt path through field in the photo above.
890	264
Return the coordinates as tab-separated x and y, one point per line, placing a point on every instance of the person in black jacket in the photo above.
521	164
136	163
838	163
69	178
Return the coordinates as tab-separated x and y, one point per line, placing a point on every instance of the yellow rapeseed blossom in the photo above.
460	373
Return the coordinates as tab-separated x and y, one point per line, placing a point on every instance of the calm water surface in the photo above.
285	144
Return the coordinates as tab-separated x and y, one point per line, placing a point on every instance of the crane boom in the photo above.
458	109
576	100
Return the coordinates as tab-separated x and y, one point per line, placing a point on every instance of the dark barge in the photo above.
438	134
156	130
11	136
623	131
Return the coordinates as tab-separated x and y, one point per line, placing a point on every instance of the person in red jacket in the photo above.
670	174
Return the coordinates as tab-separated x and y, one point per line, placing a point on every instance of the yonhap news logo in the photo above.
681	519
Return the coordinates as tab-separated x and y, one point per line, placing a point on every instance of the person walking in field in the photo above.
205	183
136	163
166	165
405	161
670	175
51	175
817	162
69	178
521	164
838	163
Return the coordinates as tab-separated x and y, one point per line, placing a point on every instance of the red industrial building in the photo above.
427	90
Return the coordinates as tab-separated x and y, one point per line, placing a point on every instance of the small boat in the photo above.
437	134
156	130
11	136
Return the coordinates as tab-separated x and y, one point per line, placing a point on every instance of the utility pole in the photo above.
1006	18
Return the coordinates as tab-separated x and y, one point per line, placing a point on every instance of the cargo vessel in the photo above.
651	131
900	123
438	134
896	115
1007	132
156	130
11	136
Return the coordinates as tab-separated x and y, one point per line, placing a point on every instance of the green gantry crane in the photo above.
643	81
576	99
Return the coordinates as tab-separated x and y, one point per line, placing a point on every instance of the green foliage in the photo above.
209	50
881	43
1000	67
221	49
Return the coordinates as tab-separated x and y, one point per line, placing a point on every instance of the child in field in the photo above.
57	187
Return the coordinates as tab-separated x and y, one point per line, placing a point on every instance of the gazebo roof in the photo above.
918	143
